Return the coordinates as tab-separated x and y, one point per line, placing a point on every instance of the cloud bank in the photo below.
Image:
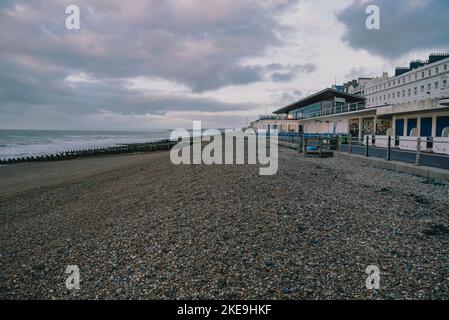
405	26
194	44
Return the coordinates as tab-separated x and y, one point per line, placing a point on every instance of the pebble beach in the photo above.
140	227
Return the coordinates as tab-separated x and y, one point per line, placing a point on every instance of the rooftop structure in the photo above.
356	86
325	102
433	57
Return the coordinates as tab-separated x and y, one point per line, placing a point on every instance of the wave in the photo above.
41	143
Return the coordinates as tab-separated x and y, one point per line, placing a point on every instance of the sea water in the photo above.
25	143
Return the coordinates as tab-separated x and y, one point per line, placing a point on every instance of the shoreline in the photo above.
163	144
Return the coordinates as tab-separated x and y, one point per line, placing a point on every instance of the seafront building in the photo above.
282	123
326	111
357	87
412	104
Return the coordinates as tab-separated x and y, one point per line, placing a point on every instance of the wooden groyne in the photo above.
96	152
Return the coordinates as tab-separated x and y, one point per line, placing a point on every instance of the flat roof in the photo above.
320	96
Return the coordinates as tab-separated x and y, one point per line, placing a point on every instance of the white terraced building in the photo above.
416	101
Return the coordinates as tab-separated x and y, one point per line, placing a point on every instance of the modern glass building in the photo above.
325	102
324	112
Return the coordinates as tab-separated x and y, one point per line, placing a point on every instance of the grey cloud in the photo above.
282	77
285	73
358	72
287	97
199	45
24	89
405	26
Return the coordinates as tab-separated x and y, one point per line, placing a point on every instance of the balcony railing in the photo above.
276	117
330	110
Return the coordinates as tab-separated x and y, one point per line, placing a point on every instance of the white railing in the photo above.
437	145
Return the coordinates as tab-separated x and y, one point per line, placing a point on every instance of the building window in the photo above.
423	74
399	94
437	70
445	67
416	76
394	95
430	72
437	84
429	86
422	88
444	83
416	90
409	92
403	93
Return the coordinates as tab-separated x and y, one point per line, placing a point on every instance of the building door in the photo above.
411	124
399	131
354	127
442	122
426	127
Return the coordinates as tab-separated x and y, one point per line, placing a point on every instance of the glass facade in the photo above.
310	111
323	108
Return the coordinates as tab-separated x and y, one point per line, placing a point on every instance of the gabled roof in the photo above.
320	96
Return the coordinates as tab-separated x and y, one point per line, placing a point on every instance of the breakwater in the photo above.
96	152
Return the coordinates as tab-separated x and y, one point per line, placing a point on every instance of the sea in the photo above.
24	143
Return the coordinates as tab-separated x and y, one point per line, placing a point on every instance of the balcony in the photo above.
277	117
331	110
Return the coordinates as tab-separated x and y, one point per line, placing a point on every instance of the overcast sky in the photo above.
139	64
